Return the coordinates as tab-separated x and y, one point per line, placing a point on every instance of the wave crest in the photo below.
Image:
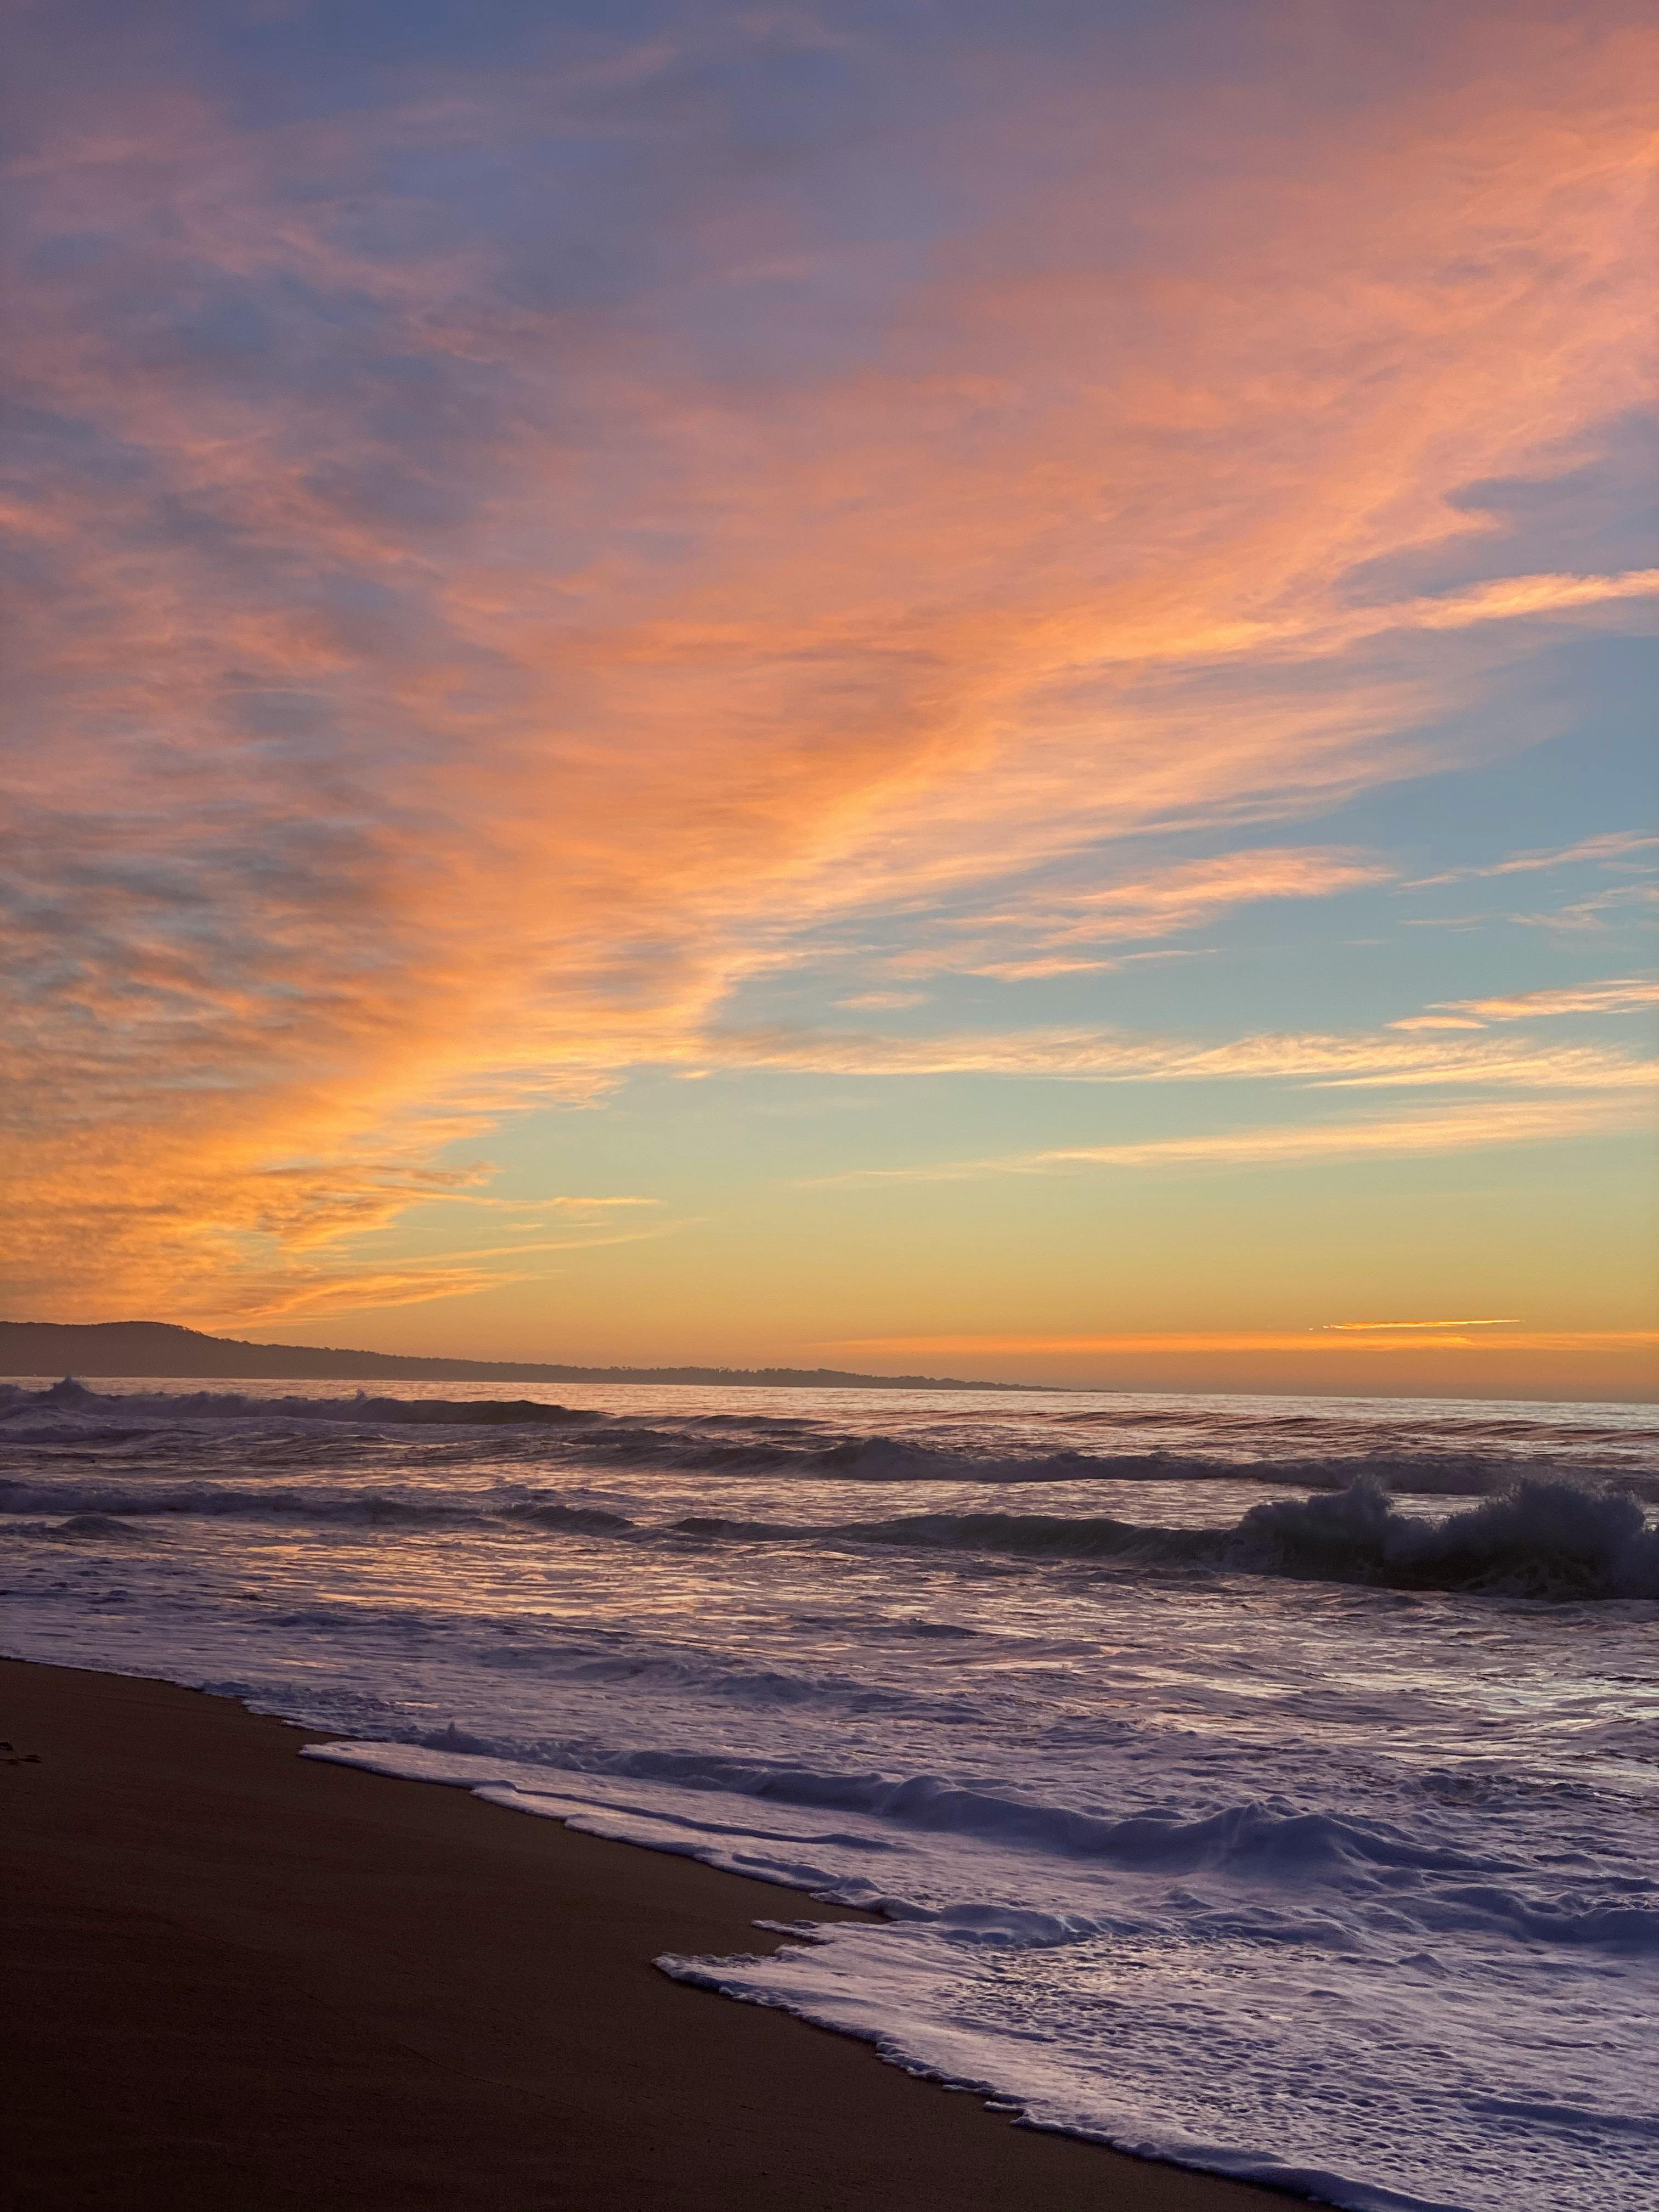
1543	1538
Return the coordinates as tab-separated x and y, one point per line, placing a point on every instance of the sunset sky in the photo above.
902	686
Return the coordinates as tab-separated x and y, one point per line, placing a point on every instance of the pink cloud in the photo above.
439	693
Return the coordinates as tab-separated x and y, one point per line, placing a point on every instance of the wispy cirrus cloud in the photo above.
1624	901
298	1293
485	569
1051	931
307	1282
1613	847
1392	1327
1469	1126
1415	1022
1622	905
1324	1062
1617	995
1508	598
883	1001
1208	1342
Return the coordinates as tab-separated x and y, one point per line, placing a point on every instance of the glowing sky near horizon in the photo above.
876	685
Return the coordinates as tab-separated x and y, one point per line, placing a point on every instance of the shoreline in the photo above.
243	1977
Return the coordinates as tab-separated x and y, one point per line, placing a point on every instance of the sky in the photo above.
898	686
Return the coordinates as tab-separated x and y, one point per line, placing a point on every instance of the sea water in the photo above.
1267	1785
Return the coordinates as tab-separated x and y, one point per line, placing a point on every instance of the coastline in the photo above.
243	1977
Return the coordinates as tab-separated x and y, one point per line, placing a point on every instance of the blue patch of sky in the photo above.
1344	960
1589	510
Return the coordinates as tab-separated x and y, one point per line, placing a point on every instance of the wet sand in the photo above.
239	1980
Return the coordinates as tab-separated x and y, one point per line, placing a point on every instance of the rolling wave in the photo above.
165	1408
1541	1539
69	1417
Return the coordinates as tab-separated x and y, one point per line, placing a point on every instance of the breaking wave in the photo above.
1191	1829
1543	1539
1551	1539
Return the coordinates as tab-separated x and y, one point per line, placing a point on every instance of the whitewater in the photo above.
1265	1785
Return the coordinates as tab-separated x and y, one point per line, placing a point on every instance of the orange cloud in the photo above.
1183	896
1619	995
1323	1061
1232	1340
1467	1128
1436	1022
439	692
1374	1328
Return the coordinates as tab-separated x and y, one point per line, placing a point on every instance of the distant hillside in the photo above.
156	1348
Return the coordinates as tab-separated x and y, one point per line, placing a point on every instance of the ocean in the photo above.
1265	1784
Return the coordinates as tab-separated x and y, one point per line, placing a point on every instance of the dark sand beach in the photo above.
238	1978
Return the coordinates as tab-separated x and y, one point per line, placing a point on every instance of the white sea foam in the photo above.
1220	1803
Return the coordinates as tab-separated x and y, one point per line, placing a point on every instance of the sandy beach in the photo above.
243	1978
